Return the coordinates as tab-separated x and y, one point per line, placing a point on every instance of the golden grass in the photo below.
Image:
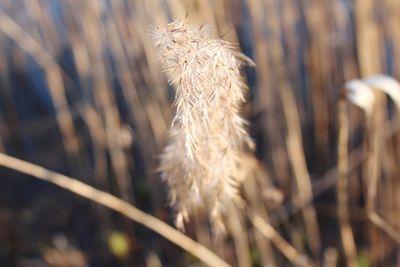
113	90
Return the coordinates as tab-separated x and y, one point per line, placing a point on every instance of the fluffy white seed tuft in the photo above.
201	162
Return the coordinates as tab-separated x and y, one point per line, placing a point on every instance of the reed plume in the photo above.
201	163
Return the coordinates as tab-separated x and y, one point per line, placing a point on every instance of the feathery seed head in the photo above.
207	136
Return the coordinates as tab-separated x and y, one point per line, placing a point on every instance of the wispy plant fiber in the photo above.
201	162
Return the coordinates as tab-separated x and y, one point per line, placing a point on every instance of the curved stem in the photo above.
116	204
295	257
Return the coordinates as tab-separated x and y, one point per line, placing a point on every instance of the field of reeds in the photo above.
89	163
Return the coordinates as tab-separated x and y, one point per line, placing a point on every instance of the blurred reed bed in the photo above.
82	93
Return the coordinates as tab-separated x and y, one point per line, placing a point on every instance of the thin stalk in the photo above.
346	232
294	139
374	167
295	257
54	77
107	200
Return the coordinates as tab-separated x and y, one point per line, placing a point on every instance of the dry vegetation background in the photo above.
82	93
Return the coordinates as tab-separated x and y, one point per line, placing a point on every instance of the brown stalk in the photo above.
318	55
348	242
107	200
88	111
266	100
93	33
54	76
236	226
374	170
141	115
368	52
329	179
253	195
296	258
294	141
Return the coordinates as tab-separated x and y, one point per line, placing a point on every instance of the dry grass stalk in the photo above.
346	231
116	204
55	80
360	93
376	153
294	140
207	137
296	258
258	216
254	199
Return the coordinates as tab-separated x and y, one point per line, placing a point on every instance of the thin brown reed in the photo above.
55	82
348	242
107	200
